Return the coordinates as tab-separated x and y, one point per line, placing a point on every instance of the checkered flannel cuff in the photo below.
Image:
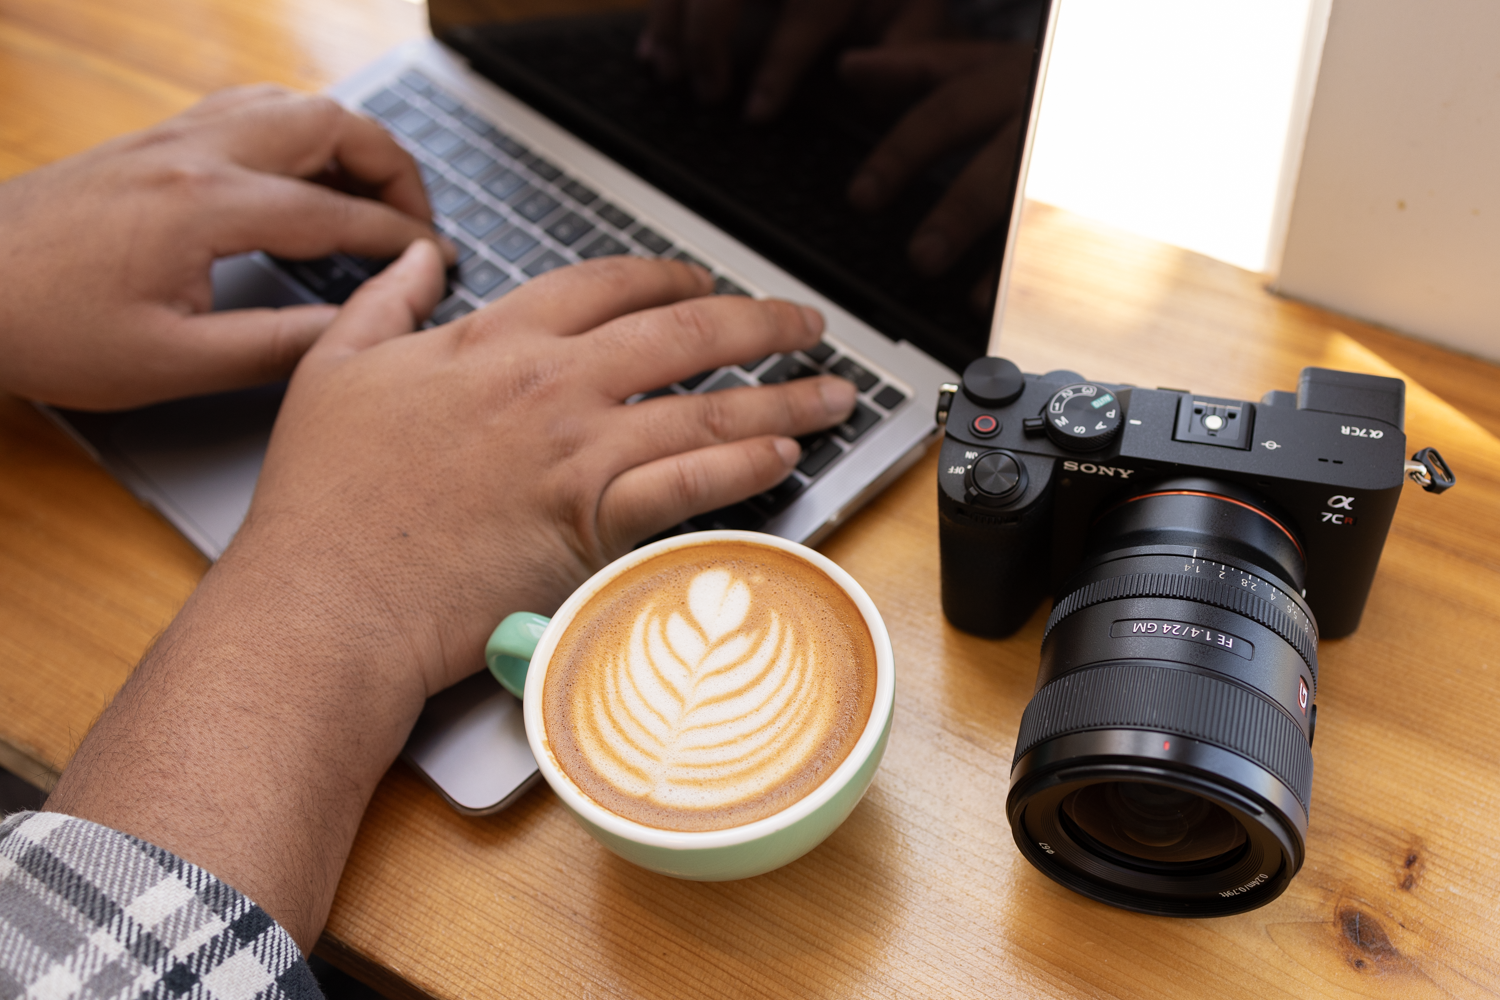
86	911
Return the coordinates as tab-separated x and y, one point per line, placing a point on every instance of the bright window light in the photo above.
1169	118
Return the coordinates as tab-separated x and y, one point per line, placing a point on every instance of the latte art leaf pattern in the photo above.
706	709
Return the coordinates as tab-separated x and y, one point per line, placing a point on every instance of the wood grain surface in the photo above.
921	892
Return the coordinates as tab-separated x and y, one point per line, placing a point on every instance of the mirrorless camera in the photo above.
1196	548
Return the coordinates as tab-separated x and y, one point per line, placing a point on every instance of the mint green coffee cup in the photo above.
518	654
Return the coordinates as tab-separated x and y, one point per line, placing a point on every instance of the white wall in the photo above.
1396	217
1170	118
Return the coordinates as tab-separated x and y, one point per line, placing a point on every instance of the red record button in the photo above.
984	426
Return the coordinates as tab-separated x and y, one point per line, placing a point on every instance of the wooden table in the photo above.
922	892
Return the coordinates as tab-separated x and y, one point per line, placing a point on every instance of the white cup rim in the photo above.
640	833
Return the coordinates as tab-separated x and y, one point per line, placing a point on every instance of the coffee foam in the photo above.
709	687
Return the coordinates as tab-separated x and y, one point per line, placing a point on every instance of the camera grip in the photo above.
994	567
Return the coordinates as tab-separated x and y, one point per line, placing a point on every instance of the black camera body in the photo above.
1194	546
1328	460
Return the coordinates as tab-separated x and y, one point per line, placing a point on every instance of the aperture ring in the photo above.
1176	701
1191	588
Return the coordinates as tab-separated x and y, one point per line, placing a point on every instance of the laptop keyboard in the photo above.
514	215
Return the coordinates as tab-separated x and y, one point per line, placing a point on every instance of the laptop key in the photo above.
604	246
464	250
416	81
471	162
475	124
852	370
723	286
513	243
543	168
890	397
444	100
533	205
750	366
817	454
861	420
481	277
504	184
729	380
480	220
412	122
385	103
579	192
551	260
820	352
441	142
449	199
739	517
614	216
786	370
694	381
332	279
505	143
570	229
652	240
779	497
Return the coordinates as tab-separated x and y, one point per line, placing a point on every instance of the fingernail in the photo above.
930	251
789	451
838	396
864	191
812	319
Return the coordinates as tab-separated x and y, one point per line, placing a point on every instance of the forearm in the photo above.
252	735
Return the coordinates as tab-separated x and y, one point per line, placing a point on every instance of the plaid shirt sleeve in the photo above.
86	911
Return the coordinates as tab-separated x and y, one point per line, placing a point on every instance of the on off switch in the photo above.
995	478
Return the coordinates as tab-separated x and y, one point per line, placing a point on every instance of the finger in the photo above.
570	300
653	348
962	109
660	43
294	218
979	200
281	132
388	305
708	27
801	32
650	498
673	424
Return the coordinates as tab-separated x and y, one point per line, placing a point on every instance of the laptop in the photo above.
543	140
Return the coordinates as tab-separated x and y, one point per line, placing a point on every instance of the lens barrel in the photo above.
1164	764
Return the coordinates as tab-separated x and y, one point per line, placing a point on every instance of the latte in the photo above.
710	686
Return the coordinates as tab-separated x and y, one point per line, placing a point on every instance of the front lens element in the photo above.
1154	824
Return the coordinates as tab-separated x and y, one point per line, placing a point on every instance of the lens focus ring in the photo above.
1171	700
1189	588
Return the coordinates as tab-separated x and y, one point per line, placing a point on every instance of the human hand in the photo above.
419	487
107	254
975	91
449	477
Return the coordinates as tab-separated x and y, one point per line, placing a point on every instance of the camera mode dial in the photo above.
995	479
1083	417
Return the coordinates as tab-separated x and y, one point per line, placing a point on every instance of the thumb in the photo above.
388	305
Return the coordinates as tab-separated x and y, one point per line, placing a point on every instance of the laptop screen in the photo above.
872	148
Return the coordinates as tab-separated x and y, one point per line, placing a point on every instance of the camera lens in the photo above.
1164	764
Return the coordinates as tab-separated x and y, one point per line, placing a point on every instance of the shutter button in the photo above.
984	426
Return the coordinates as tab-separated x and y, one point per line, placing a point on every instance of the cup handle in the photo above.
508	653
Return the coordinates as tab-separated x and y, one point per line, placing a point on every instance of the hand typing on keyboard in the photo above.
106	255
